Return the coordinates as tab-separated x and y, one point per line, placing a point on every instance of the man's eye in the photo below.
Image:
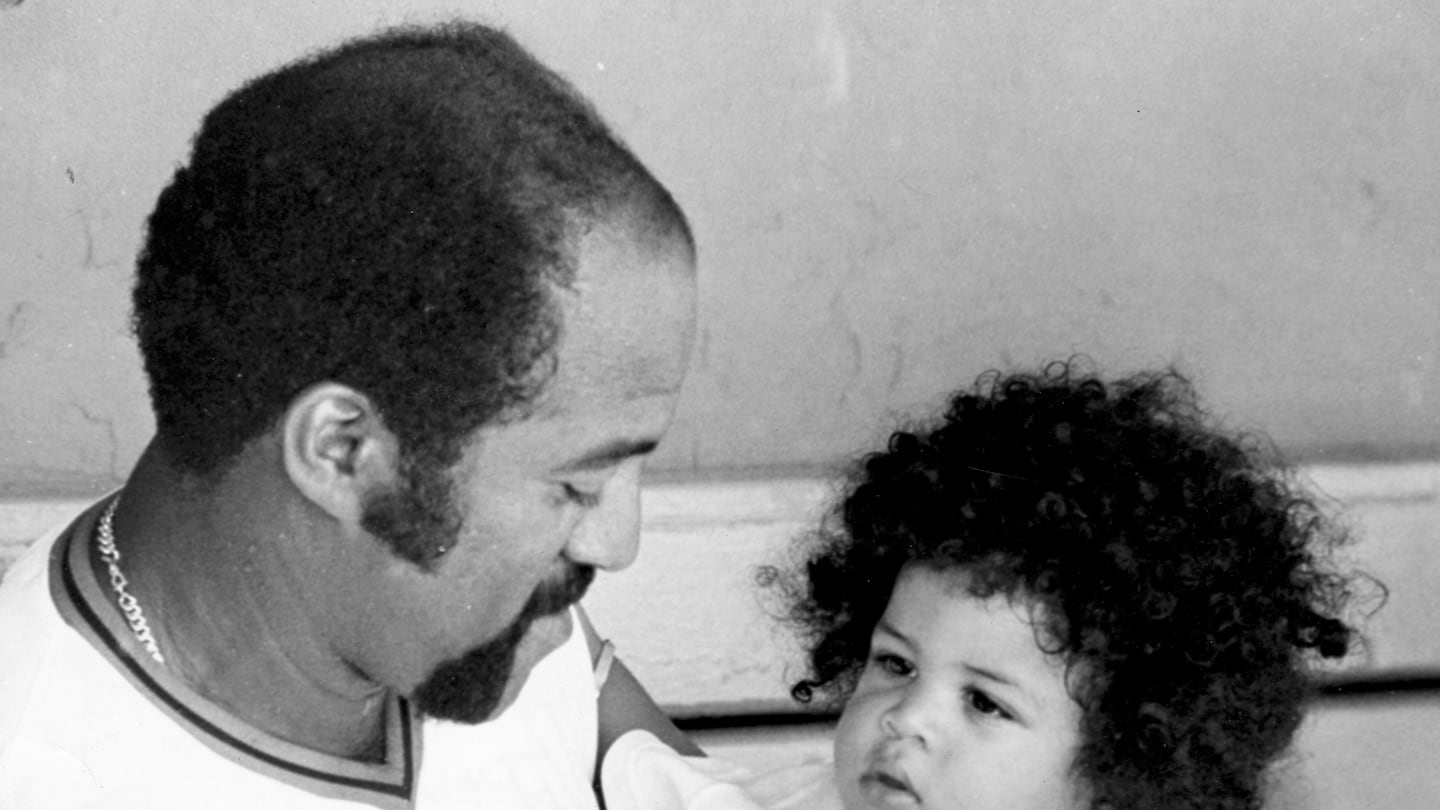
892	664
580	497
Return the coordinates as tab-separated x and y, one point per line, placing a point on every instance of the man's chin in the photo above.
481	684
545	635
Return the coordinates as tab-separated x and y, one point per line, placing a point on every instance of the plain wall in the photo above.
889	198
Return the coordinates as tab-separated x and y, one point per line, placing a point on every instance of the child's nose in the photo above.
908	718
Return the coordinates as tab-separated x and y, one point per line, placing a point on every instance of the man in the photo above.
412	318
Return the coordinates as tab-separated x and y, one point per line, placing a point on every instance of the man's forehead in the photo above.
628	318
620	371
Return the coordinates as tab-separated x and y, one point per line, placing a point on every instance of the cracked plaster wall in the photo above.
889	198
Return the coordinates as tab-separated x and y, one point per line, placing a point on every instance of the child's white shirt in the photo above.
642	773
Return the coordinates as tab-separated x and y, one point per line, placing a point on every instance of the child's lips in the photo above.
887	786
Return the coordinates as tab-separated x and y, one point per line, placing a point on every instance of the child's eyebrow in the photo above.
889	629
991	675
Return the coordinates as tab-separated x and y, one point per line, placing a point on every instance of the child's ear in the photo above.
336	448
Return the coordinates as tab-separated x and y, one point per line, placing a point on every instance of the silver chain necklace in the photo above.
129	605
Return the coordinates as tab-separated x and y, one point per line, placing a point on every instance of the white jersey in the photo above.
86	721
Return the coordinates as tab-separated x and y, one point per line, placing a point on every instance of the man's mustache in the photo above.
555	595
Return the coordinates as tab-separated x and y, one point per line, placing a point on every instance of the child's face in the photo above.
958	708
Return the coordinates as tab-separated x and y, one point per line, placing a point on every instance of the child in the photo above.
1066	593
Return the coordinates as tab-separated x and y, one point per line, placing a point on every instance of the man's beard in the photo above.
416	517
420	523
469	688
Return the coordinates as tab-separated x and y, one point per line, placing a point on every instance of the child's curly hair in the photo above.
1178	571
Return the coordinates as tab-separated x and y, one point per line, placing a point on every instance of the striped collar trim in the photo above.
75	587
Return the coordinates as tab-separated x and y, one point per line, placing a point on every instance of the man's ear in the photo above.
336	448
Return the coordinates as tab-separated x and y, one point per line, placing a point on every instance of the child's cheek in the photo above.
854	739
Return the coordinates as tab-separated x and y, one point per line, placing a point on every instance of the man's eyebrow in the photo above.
608	455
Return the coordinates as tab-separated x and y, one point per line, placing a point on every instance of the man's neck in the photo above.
232	615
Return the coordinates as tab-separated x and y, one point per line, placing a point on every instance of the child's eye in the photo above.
983	704
894	665
580	497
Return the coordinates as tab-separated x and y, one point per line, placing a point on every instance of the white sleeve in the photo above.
642	773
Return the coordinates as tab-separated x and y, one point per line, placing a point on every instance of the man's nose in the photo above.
608	536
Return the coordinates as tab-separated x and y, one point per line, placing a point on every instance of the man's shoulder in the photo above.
50	682
76	730
32	629
30	626
80	735
28	571
46	666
